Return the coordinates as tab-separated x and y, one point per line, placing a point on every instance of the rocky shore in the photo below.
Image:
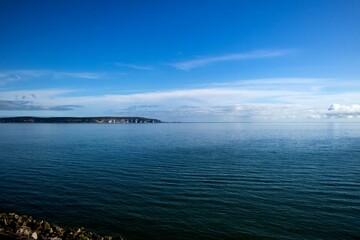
14	226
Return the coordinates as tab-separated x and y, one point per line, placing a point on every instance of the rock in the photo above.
4	222
59	230
77	232
24	231
34	235
25	227
39	229
19	220
24	223
83	237
34	224
45	225
13	225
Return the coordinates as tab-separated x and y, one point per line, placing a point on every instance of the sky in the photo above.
216	61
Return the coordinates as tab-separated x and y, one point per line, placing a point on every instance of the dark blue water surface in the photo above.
186	181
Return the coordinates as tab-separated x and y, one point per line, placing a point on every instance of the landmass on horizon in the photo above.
78	120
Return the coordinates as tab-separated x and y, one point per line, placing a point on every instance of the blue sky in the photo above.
181	60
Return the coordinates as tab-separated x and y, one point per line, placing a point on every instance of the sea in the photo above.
182	181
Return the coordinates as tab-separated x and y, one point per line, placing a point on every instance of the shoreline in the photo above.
15	226
104	119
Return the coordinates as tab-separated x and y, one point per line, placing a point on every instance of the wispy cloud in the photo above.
35	100
200	62
30	106
83	75
18	75
141	107
34	95
134	66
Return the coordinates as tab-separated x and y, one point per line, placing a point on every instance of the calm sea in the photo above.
186	181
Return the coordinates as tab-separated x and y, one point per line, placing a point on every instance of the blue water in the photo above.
186	181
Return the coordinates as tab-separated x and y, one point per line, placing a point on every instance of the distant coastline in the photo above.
78	120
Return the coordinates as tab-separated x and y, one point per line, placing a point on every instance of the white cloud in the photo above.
134	66
345	108
200	62
249	100
344	111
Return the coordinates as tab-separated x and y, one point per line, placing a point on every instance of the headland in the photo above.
78	120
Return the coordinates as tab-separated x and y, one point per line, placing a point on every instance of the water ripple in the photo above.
186	181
